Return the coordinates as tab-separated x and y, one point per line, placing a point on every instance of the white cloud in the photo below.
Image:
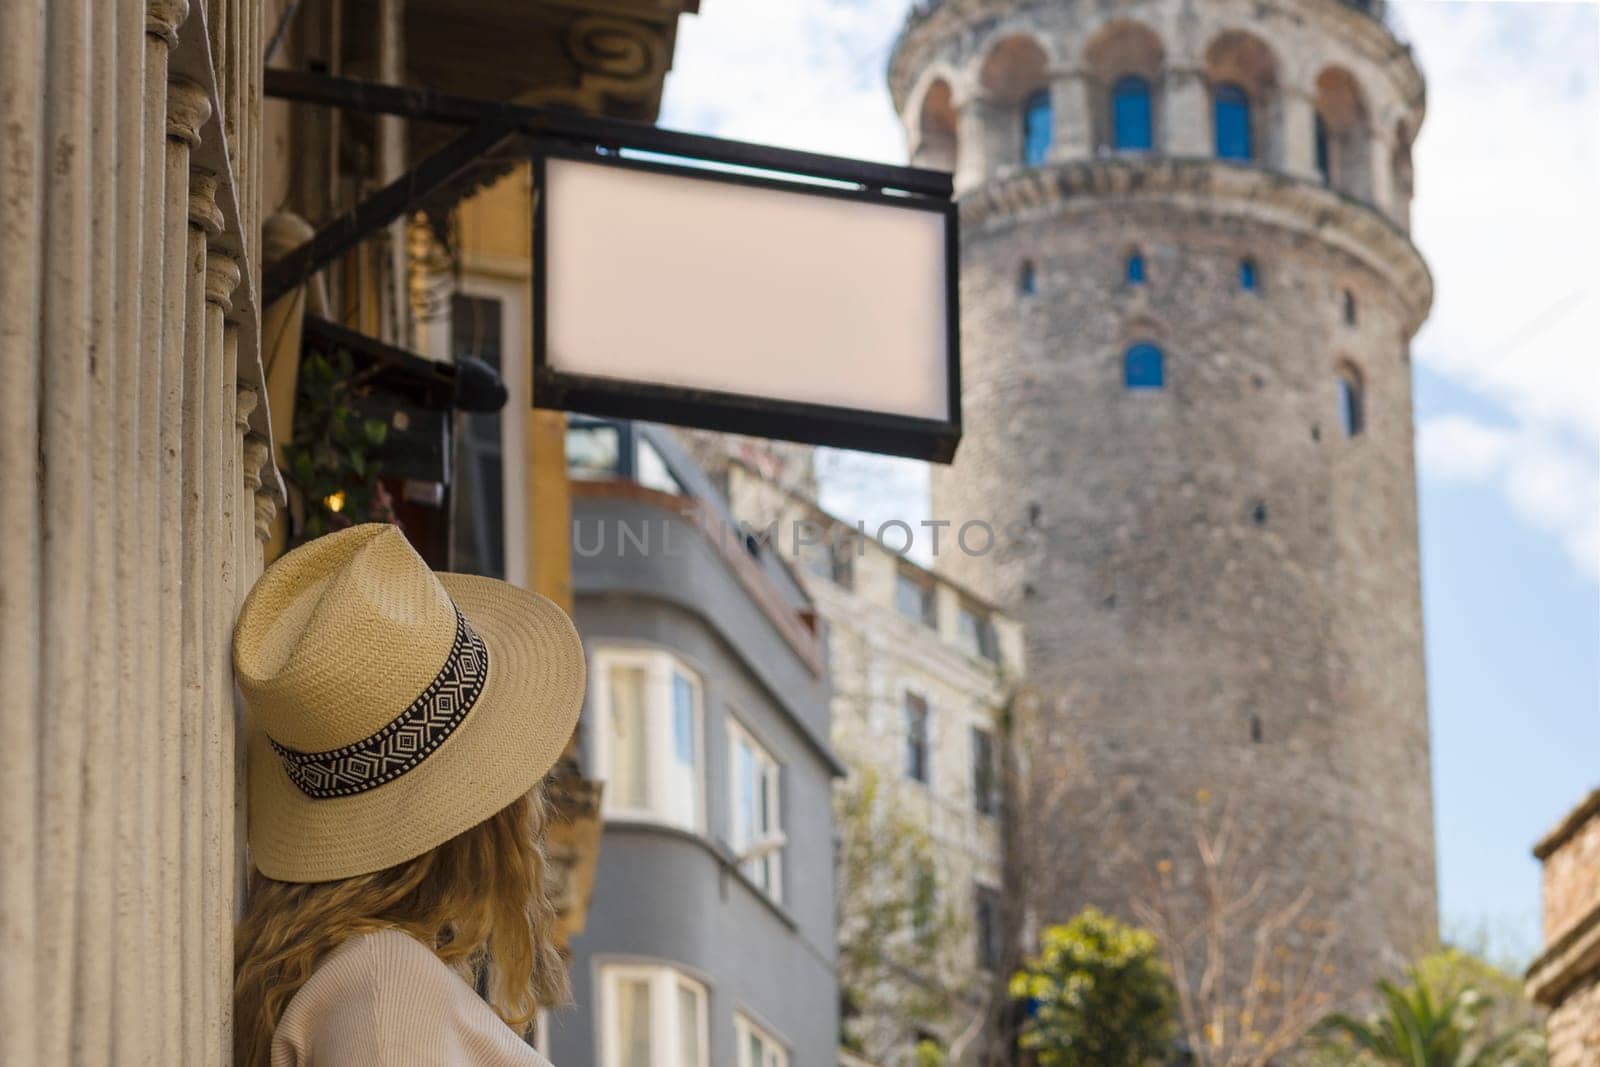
805	74
1549	483
1508	216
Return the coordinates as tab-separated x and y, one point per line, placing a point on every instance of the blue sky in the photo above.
1507	382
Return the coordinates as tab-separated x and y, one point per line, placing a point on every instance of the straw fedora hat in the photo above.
390	708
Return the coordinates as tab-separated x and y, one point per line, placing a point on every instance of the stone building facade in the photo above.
135	495
1566	976
922	672
144	382
1188	295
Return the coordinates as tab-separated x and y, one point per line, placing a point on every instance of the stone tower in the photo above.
1188	297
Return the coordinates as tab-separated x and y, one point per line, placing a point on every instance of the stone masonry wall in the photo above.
1212	562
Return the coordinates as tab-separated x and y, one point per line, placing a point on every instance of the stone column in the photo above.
22	37
188	108
1298	116
1072	112
1186	114
220	403
1380	164
62	461
974	161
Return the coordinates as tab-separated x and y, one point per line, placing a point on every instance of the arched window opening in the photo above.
1352	401
1255	729
1349	308
1027	279
1322	150
1143	367
1125	60
1231	117
1130	114
1403	178
1246	100
936	129
1134	271
1037	121
1344	142
1248	280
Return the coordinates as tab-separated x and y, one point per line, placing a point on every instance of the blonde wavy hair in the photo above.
478	901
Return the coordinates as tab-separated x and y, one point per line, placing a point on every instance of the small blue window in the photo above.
1247	275
1142	367
1352	404
1036	131
1135	272
1130	113
1230	107
1322	151
1027	279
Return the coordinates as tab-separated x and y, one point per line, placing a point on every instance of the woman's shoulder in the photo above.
386	996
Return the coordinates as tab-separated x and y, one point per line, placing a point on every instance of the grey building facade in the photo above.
710	932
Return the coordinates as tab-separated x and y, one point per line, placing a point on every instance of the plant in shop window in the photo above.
331	460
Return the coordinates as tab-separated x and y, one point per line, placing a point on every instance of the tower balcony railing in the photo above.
923	9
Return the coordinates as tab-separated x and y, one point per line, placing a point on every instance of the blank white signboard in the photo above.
661	279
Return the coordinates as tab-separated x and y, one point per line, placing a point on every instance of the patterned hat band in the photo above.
408	739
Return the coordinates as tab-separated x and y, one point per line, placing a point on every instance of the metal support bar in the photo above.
379	209
540	123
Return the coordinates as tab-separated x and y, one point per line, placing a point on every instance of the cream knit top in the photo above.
385	1000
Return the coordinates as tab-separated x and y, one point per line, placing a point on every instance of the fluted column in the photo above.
1186	114
198	696
1072	111
100	643
63	462
22	37
188	109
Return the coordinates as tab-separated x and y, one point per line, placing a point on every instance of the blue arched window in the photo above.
1130	113
1027	279
1036	128
1323	164
1135	268
1352	402
1230	115
1142	367
1247	275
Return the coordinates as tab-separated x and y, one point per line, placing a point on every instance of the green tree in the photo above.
1432	1022
1098	995
904	948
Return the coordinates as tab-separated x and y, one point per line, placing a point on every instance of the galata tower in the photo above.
1188	296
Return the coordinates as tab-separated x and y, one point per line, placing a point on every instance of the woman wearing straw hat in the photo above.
400	723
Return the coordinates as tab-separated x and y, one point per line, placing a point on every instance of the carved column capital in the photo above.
222	277
188	108
163	17
203	210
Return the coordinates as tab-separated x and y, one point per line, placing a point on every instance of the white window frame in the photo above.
660	667
513	293
775	1053
663	982
772	845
